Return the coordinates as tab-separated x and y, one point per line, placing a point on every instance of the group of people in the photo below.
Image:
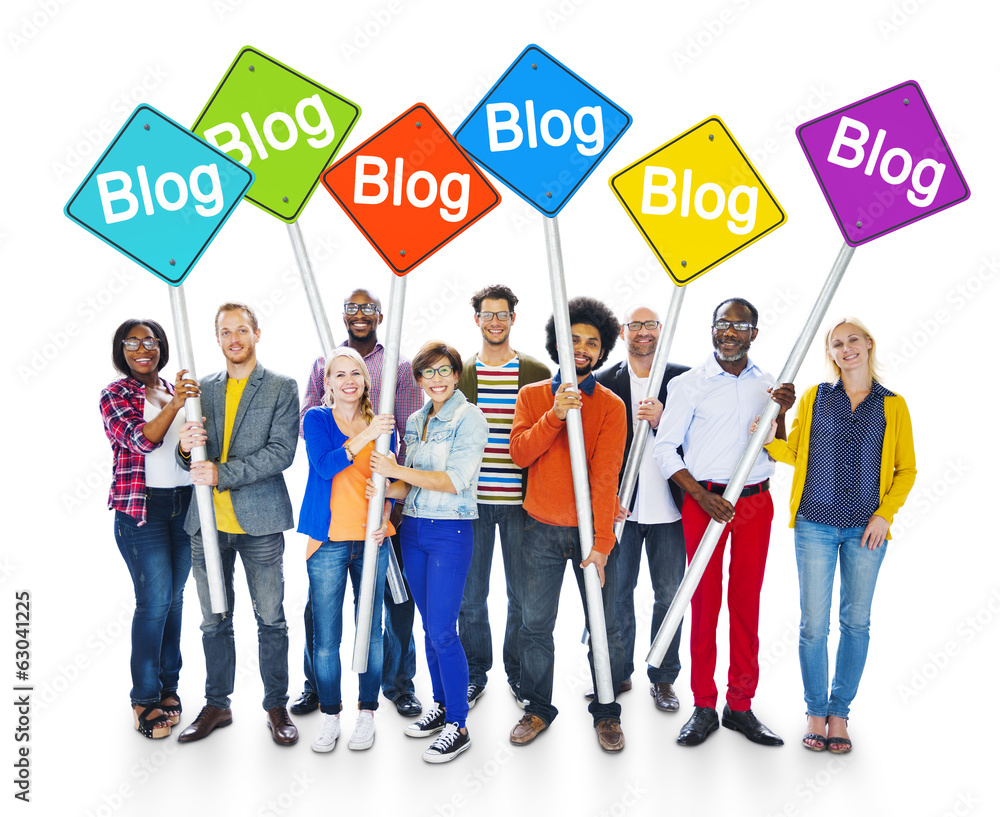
488	449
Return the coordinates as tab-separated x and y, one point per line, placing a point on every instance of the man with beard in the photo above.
539	442
709	411
652	515
362	317
492	380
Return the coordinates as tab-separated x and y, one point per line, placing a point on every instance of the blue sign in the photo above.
159	194
542	130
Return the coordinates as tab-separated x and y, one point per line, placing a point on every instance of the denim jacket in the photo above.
456	438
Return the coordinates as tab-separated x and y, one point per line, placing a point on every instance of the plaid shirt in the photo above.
409	395
122	406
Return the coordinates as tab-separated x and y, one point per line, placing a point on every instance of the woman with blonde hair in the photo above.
340	439
852	448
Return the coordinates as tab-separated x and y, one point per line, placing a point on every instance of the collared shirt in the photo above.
709	412
122	405
653	503
845	457
409	395
587	386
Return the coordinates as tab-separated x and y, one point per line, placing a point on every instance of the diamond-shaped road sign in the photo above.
159	194
284	125
697	200
882	163
542	130
410	189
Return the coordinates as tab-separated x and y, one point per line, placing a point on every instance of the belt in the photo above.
749	490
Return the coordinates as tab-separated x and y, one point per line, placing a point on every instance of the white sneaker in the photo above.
448	745
364	731
329	731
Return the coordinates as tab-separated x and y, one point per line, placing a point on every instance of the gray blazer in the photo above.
262	445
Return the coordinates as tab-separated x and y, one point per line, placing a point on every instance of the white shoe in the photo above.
329	731
364	731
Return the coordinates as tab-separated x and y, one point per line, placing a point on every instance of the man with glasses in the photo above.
652	515
709	411
491	379
362	317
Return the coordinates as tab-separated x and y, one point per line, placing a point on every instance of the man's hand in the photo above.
784	396
623	513
650	410
715	506
566	398
204	473
599	560
193	435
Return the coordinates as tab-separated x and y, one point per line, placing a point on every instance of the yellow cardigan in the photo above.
899	465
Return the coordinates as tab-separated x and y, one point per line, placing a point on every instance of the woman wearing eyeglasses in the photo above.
444	448
852	448
150	494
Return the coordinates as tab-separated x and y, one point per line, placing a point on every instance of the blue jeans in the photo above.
158	556
399	653
261	556
816	551
437	553
546	549
474	620
328	569
666	558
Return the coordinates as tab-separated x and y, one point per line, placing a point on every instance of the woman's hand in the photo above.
875	532
383	464
193	435
184	387
380	424
770	436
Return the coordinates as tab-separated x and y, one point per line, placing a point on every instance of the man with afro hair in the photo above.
539	442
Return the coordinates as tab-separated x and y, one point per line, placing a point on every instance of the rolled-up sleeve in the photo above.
466	453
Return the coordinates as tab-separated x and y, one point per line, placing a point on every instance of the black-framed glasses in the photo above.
133	344
500	316
635	326
365	309
739	326
444	371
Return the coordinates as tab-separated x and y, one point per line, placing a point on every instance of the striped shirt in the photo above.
499	478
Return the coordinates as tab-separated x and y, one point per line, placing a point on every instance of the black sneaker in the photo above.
448	745
433	721
475	693
307	702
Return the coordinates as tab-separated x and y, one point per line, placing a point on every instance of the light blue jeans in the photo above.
817	549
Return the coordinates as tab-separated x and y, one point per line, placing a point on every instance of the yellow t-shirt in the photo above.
225	515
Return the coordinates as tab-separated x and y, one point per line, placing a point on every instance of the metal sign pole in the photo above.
203	493
755	445
641	432
578	463
386	404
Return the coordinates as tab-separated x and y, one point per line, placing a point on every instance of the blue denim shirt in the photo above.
456	438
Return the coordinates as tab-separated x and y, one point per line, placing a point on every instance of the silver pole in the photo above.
641	431
578	463
386	404
203	493
702	556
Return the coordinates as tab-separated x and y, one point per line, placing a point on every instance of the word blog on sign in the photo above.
882	163
159	194
410	189
287	126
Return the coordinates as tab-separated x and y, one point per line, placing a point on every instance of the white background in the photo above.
73	71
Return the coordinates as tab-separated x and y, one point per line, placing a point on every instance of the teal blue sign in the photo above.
159	194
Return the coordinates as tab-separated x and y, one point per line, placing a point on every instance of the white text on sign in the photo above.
853	135
280	131
170	191
590	142
741	220
454	208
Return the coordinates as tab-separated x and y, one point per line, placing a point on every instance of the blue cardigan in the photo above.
327	458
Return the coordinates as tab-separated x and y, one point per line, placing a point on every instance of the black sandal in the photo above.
154	728
840	746
818	738
172	712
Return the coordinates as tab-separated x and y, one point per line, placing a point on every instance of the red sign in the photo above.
410	189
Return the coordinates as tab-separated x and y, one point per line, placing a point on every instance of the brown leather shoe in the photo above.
609	735
664	697
282	729
526	729
210	717
626	685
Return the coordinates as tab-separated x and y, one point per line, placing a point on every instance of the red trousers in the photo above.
749	533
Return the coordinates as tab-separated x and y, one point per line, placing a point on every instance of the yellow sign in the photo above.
697	200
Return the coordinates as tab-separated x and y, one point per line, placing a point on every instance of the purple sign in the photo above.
882	163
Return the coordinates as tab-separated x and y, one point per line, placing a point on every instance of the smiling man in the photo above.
251	421
539	442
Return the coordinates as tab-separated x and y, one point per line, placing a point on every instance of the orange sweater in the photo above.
540	443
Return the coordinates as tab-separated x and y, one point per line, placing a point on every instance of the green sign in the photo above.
280	124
